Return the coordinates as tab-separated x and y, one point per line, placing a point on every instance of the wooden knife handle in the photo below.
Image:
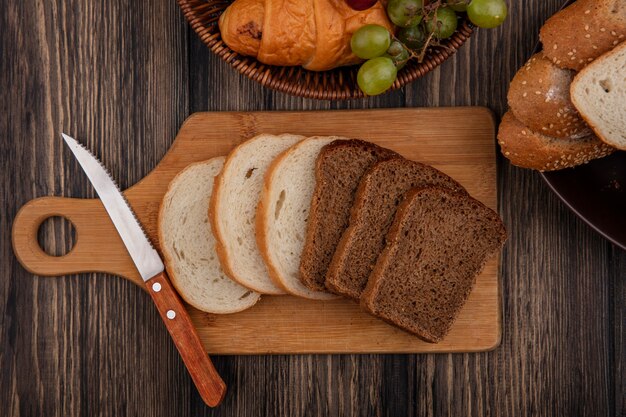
208	382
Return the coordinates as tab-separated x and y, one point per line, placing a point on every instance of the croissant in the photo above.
312	33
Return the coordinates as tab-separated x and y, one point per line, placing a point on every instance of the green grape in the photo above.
443	23
413	37
396	48
487	13
376	75
458	5
370	41
398	54
405	13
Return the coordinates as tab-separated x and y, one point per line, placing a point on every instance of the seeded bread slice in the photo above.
283	212
529	149
599	92
233	210
188	246
582	32
438	243
539	97
380	192
338	171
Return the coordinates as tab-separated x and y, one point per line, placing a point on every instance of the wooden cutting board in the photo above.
458	141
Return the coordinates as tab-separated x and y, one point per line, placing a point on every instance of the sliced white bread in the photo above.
233	210
599	94
188	245
283	212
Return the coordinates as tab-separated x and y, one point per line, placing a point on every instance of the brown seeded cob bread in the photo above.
438	243
338	171
380	192
528	149
580	33
539	97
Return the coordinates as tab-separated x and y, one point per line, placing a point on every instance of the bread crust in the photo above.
342	270
528	149
618	49
168	261
288	32
289	35
377	277
337	260
580	33
223	255
217	234
332	45
261	225
312	269
242	24
539	97
262	230
375	281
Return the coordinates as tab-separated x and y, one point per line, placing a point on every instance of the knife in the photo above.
150	266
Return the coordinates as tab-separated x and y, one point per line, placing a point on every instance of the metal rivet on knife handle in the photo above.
210	386
150	266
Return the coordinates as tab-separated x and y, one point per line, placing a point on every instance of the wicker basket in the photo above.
336	84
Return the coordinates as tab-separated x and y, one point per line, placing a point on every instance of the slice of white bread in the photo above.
233	209
188	246
283	212
599	94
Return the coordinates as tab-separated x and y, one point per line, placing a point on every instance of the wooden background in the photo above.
125	74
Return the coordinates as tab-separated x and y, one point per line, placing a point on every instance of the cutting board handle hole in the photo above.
56	236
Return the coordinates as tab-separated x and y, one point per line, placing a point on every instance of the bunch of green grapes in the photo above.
419	26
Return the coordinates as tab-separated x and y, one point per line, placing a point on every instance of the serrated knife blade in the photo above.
145	257
150	266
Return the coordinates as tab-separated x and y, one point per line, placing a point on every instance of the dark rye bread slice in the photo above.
380	192
338	171
437	245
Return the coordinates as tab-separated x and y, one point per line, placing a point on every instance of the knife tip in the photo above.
67	138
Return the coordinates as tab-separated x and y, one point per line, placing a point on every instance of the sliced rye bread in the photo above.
599	93
439	242
188	245
233	210
528	149
338	171
380	192
283	213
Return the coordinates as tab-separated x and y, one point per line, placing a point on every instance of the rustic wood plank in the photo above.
67	345
114	74
617	358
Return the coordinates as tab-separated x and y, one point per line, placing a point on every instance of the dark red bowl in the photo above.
596	192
